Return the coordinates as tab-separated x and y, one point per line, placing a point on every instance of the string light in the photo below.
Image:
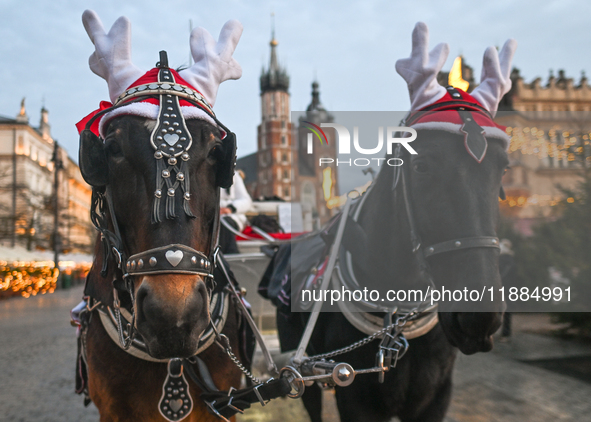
27	278
21	278
563	145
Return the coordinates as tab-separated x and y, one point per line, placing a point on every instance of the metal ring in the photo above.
295	381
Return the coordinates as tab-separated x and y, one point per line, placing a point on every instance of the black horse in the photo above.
453	197
453	185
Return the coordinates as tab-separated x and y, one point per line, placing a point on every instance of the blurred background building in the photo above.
28	188
550	127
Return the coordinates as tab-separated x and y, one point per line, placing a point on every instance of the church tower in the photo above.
274	132
316	187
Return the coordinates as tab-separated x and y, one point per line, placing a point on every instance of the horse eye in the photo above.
420	167
113	148
506	169
216	152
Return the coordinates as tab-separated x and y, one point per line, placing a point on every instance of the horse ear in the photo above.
93	160
502	194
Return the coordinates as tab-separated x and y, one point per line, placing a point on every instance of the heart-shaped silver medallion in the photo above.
176	405
174	257
171	138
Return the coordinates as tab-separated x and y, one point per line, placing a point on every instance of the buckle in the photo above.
211	405
258	394
231	406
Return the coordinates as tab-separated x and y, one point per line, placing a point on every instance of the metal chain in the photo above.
400	322
228	349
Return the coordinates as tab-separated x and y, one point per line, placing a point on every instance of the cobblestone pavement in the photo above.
38	349
37	375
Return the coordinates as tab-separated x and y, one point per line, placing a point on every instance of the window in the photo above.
283	140
20	146
286	174
283	105
284	157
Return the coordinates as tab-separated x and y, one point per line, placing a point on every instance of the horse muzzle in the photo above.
172	311
471	332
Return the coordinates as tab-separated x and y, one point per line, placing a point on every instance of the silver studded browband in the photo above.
175	258
163	88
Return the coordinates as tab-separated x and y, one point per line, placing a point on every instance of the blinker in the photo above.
93	160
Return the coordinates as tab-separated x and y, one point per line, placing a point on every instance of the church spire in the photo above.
273	65
276	77
316	112
315	104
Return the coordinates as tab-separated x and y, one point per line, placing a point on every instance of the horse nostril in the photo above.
142	293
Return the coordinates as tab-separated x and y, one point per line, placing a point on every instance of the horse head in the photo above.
156	159
453	183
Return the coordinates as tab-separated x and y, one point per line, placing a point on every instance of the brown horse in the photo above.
157	307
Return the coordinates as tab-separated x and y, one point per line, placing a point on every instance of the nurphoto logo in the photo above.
393	135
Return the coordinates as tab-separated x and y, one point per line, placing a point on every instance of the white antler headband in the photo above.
112	57
495	79
111	60
214	63
421	68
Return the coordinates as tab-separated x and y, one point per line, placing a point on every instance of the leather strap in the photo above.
227	403
464	243
174	258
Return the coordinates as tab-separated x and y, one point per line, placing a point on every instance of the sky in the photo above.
349	47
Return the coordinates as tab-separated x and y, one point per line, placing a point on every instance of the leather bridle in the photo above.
169	259
420	251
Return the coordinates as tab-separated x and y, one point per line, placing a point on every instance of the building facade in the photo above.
550	153
28	157
550	128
